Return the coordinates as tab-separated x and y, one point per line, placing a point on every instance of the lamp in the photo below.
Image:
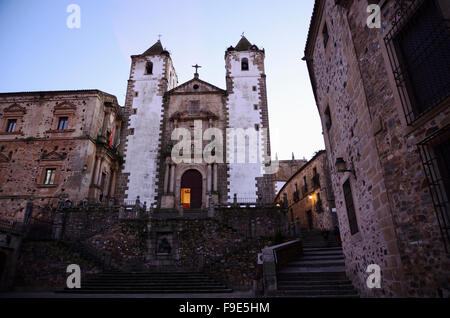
341	166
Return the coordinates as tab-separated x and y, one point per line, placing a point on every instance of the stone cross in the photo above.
196	67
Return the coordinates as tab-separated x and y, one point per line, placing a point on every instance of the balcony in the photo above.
315	180
296	196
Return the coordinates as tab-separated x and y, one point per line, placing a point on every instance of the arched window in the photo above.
244	64
149	68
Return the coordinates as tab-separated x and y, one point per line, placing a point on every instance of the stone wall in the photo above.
397	225
36	145
42	266
226	244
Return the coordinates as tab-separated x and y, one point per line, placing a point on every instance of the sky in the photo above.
39	52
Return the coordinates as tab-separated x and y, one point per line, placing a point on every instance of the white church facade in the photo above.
165	122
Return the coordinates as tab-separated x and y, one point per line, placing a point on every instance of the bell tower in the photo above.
152	74
247	109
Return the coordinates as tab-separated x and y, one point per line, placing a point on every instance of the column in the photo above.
209	178
99	172
112	187
96	171
215	177
166	178
172	179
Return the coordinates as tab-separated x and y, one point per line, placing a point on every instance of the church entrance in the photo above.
191	189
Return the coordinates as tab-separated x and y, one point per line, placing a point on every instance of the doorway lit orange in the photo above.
186	198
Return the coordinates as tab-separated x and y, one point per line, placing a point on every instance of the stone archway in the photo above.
192	189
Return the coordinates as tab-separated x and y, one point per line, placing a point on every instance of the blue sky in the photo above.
39	51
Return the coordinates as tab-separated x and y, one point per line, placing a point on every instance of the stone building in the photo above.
310	199
383	95
57	144
286	169
158	112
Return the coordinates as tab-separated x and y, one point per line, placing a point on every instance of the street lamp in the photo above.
341	166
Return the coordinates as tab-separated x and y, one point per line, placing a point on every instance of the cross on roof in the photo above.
196	67
159	37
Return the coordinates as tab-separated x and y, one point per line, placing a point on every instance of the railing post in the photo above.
269	272
180	209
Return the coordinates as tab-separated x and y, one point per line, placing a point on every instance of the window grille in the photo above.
418	46
435	155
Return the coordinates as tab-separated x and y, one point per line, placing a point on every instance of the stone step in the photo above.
301	282
134	282
321	257
319	253
316	263
314	249
317	287
147	291
183	283
148	287
312	276
315	293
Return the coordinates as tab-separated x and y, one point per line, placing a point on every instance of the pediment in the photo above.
196	86
54	155
65	106
15	108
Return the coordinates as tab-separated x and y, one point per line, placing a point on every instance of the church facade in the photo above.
195	144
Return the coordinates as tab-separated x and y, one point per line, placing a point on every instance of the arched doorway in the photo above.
191	189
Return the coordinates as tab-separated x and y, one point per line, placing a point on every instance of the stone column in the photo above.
96	170
112	183
215	177
99	172
209	178
166	178
172	179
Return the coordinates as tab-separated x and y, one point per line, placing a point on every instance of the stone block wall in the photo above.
397	225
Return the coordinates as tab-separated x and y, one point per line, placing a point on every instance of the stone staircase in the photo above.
319	272
150	283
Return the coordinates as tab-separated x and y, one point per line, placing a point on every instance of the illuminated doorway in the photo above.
191	189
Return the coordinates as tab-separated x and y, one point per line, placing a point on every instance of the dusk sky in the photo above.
39	52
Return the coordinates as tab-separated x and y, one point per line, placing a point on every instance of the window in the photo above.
256	127
328	121
49	178
419	52
435	155
244	64
326	36
149	68
351	214
305	186
11	125
62	124
195	106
